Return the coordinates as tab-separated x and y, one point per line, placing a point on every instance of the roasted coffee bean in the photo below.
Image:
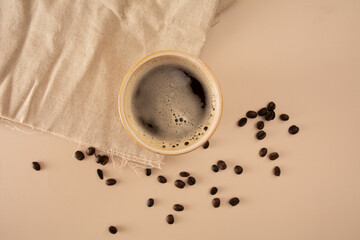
284	117
262	112
170	219
215	168
150	202
260	125
99	159
238	169
242	122
234	201
213	190
191	180
270	115
105	160
251	114
263	152
147	171
110	181
221	164
179	183
79	155
178	207
277	171
293	129
112	229
206	145
271	106
90	151
216	202
161	179
273	156
100	174
261	135
36	166
184	174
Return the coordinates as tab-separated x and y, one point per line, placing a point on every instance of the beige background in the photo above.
305	56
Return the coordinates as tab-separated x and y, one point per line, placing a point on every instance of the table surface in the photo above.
304	56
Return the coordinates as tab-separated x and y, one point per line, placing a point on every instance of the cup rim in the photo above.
123	118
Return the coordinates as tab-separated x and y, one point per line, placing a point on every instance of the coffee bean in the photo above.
179	183
273	156
263	152
221	164
112	229
90	151
242	122
270	115
110	181
170	219
105	160
277	171
191	181
79	155
178	207
206	145
161	179
238	169
36	166
234	201
100	174
216	202
271	106
260	125
284	117
262	112
293	129
184	174
215	168
261	135
147	171
251	114
213	190
150	202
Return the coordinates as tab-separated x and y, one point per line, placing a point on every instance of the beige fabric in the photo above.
62	62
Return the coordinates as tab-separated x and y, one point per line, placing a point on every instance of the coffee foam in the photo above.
164	105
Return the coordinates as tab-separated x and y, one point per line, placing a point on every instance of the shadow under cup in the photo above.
170	102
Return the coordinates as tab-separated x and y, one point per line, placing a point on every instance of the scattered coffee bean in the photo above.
79	155
270	115
213	190
110	181
206	145
221	164
271	106
260	125
147	171
90	151
191	181
161	179
98	159
100	174
112	229
277	171
178	207
36	166
261	135
105	160
216	202
293	129
263	152
262	112
215	168
150	202
179	183
284	117
238	169
170	219
184	174
251	114
242	122
234	201
273	156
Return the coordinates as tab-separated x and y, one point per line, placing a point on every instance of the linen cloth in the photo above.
62	62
